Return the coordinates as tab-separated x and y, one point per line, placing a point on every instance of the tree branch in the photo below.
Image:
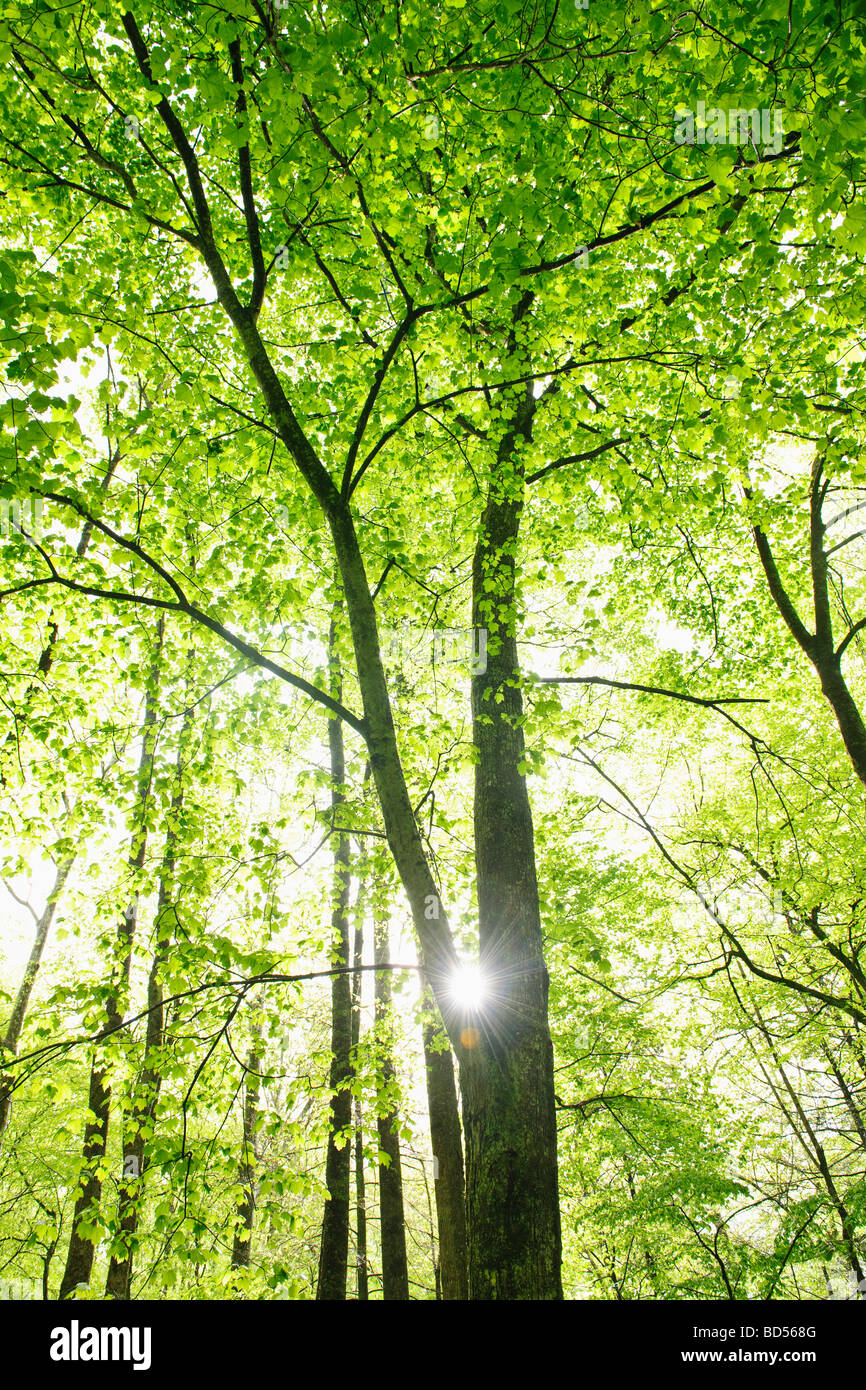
184	605
246	179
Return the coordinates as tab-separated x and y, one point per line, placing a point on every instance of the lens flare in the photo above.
468	988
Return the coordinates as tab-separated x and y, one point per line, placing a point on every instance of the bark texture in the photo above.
506	1071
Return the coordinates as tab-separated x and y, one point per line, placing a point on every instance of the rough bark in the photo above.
509	1109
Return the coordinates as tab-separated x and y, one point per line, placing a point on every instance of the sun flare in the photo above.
468	987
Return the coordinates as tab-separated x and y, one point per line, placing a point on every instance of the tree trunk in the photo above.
146	1096
811	1144
43	926
846	710
119	1278
79	1259
509	1110
362	1281
447	1144
395	1273
334	1250
820	646
22	997
243	1236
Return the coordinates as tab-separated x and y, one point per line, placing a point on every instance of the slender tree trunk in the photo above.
334	1250
43	926
509	1110
146	1095
850	1100
145	1101
447	1143
362	1268
810	1144
46	658
395	1272
243	1236
22	998
362	1281
819	646
79	1259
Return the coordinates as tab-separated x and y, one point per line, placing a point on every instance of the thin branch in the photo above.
184	605
706	701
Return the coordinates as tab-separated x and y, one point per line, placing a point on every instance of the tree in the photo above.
538	287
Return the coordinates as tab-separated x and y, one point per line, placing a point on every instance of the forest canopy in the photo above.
432	743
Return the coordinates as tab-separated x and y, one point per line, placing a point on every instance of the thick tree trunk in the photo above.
79	1259
334	1250
22	998
395	1272
846	710
509	1113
